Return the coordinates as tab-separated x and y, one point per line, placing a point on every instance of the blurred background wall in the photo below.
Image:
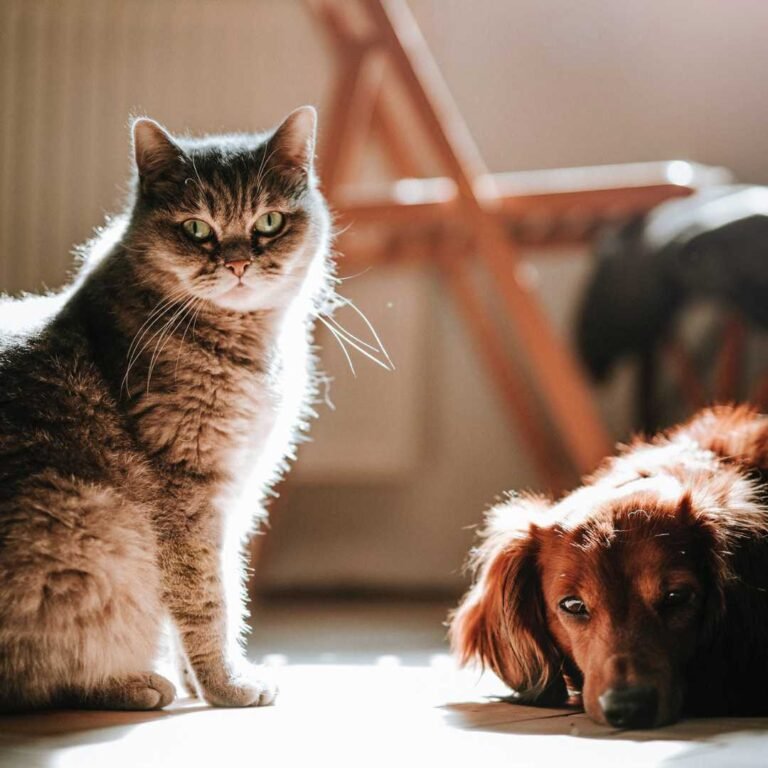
384	496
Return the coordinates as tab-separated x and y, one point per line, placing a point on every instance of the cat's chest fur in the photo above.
231	407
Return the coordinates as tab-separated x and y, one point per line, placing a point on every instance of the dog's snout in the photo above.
632	707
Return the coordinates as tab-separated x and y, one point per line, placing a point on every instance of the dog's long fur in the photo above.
683	514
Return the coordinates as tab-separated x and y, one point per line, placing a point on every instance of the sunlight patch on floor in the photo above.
366	685
382	713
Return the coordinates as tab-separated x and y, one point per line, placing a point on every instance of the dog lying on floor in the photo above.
645	591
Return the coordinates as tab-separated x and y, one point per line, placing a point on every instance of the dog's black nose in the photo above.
633	707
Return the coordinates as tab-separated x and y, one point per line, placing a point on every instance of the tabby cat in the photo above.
145	412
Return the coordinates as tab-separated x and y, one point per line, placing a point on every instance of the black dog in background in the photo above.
712	245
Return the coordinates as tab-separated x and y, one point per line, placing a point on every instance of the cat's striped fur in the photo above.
145	412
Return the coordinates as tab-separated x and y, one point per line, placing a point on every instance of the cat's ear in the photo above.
295	137
157	154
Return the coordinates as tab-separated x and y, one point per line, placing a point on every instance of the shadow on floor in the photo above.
32	739
505	717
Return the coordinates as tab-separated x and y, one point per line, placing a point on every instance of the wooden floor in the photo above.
361	685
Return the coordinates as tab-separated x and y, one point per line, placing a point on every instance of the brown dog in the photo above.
645	590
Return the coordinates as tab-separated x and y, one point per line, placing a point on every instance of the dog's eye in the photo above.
677	598
574	606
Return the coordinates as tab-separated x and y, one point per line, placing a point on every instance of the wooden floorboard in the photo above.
367	708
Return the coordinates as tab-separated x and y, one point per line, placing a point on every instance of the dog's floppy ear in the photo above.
728	520
730	529
501	620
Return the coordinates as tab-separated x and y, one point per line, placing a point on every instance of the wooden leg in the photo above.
350	116
517	397
554	370
429	95
400	151
558	377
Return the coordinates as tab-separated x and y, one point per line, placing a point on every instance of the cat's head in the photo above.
236	219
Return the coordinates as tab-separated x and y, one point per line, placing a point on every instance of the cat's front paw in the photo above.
249	687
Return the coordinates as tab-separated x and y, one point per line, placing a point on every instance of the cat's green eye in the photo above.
197	230
269	223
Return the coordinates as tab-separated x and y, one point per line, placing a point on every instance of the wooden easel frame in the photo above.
379	45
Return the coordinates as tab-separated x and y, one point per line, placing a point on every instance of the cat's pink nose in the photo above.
238	267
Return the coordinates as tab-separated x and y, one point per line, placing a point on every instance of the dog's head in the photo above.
609	592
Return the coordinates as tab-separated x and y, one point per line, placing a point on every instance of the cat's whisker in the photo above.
161	312
363	351
347	332
168	330
261	167
264	163
343	338
192	318
157	313
273	169
147	327
137	355
186	312
341	230
340	343
356	274
135	351
161	335
159	308
158	334
349	303
197	314
199	182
